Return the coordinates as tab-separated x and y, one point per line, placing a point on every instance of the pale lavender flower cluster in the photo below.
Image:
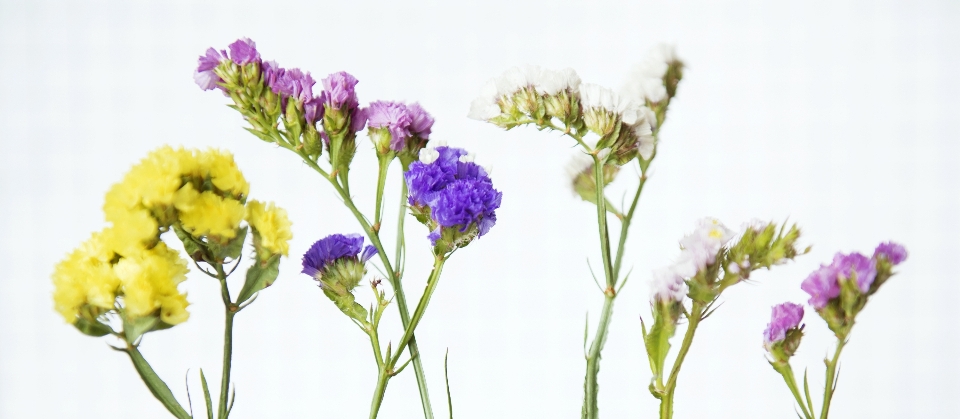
783	317
823	284
457	191
401	120
242	52
699	249
334	247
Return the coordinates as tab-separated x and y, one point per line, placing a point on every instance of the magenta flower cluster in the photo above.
823	284
401	120
458	192
334	247
243	51
783	317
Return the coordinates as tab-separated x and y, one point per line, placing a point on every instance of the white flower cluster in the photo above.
544	81
645	82
640	118
699	249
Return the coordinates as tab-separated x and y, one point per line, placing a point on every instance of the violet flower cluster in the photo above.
452	195
335	247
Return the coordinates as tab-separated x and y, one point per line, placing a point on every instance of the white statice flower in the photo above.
645	80
429	155
594	96
700	248
485	106
517	78
552	82
468	158
667	285
643	129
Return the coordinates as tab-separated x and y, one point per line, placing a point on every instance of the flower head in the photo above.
856	265
271	227
603	108
335	247
205	77
822	286
783	317
447	190
421	123
339	91
392	116
667	285
700	248
244	51
895	253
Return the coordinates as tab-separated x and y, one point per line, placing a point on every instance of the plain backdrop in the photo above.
840	116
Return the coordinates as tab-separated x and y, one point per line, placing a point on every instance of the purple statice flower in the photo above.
783	317
313	110
394	117
893	252
205	77
426	180
465	201
244	51
339	91
458	191
293	83
822	286
421	122
857	264
332	248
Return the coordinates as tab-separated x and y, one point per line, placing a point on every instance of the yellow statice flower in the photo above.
271	224
133	230
153	182
223	172
85	278
149	282
208	214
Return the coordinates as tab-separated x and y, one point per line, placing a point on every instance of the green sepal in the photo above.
348	305
134	328
261	135
701	292
92	328
194	248
206	395
231	249
260	275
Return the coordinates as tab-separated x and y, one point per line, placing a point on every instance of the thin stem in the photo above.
387	371
830	386
381	183
786	371
401	240
230	312
392	276
375	342
602	222
591	386
625	226
666	403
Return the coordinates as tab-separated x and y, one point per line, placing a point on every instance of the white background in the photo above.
839	116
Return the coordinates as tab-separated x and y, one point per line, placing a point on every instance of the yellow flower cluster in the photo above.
271	227
126	267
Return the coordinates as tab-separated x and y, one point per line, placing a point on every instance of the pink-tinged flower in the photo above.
893	252
205	76
783	317
859	266
394	117
421	123
822	285
244	51
339	91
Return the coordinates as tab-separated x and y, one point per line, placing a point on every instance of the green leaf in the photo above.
92	328
206	395
446	380
157	387
259	276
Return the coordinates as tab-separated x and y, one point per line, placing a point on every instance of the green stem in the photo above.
602	222
786	371
830	385
157	387
387	371
625	226
230	310
666	403
392	276
381	183
590	386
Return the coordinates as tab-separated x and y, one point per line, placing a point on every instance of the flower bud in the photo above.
784	332
337	263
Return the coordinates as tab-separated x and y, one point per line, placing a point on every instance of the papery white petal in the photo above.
429	155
